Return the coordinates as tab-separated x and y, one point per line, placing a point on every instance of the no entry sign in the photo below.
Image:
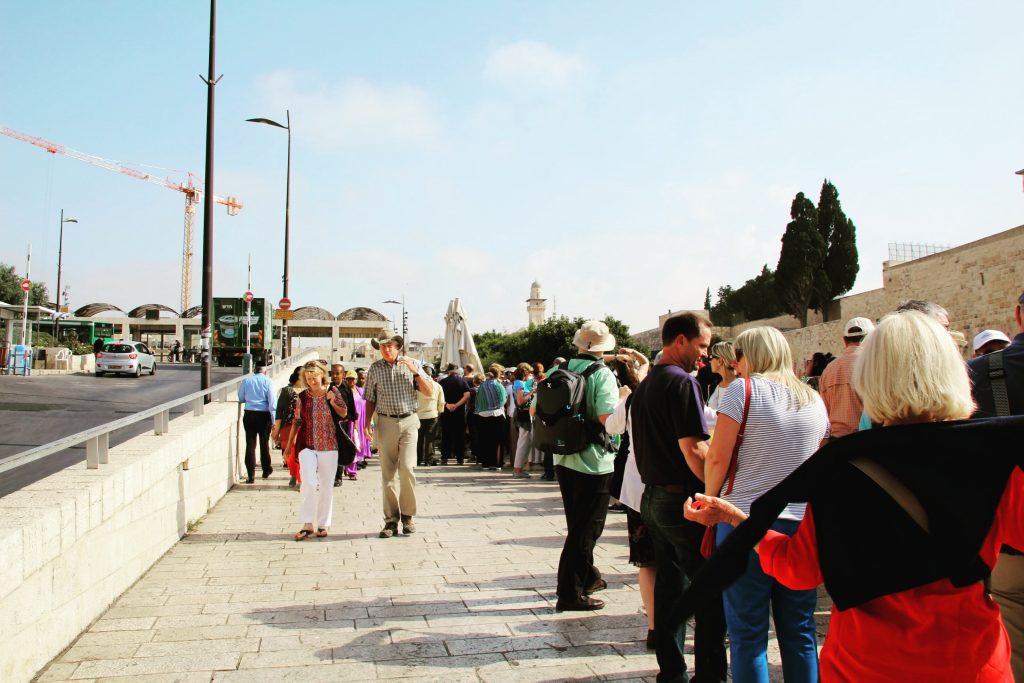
284	304
26	285
248	297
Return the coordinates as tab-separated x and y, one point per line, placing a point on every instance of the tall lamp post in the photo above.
404	321
287	207
60	263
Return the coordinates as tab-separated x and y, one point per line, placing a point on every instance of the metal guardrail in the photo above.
97	439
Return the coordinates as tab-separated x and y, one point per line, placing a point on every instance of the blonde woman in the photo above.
786	423
319	407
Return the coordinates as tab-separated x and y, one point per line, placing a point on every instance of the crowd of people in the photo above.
742	495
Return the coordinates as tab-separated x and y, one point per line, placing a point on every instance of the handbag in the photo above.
707	543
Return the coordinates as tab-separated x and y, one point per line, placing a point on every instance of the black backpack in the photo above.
560	424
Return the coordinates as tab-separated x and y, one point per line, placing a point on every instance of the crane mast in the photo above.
193	195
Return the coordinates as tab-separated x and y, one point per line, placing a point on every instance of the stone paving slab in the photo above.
469	597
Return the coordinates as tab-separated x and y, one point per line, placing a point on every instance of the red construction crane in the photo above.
193	195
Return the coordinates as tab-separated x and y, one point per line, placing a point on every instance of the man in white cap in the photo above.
987	341
391	386
836	383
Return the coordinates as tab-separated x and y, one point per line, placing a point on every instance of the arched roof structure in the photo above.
140	311
312	313
193	312
362	313
90	310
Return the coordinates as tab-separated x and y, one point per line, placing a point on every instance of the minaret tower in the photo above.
535	306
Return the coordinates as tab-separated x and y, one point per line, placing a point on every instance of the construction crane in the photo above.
193	195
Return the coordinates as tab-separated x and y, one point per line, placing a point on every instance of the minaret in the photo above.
535	306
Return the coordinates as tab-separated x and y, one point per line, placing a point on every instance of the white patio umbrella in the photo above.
459	347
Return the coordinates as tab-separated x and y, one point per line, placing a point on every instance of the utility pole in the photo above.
207	303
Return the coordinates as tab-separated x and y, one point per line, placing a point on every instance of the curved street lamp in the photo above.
287	208
60	262
402	304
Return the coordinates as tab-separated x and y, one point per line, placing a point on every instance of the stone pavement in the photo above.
469	597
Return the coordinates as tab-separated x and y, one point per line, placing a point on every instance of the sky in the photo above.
626	155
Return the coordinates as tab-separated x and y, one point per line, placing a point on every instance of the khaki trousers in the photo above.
1008	591
396	447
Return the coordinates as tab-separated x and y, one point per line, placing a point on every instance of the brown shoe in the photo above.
583	604
407	525
389	530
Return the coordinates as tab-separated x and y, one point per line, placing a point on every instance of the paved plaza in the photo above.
469	597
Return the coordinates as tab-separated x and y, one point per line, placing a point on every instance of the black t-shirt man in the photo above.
454	387
666	407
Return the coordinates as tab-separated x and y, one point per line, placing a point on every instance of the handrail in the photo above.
97	438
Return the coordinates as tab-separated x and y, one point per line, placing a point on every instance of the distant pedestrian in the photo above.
987	341
176	351
284	421
428	408
347	447
391	386
257	393
836	382
490	419
453	419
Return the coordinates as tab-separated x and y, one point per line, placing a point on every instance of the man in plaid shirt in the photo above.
391	386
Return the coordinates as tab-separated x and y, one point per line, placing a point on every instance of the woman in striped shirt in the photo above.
786	422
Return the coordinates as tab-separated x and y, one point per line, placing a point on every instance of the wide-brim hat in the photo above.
397	339
351	374
594	336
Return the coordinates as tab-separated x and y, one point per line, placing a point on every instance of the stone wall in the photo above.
72	542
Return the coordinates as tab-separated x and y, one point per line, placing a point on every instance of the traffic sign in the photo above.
26	285
248	297
282	314
284	304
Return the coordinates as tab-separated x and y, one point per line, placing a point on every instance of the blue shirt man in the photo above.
257	393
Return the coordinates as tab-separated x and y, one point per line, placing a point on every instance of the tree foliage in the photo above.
756	299
707	299
801	258
10	288
839	265
545	342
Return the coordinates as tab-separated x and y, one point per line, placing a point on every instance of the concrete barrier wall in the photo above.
71	543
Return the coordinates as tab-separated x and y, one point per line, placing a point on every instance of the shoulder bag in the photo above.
707	544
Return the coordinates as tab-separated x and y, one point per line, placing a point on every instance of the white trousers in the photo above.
318	469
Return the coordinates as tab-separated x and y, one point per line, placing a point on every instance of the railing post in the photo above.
197	407
97	451
162	422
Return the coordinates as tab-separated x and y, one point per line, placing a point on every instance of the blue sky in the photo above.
625	155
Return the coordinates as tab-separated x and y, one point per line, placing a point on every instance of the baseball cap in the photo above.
986	336
858	327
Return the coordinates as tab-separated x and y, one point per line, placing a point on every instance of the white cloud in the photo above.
353	112
532	63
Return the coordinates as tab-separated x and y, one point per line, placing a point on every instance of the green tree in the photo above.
803	251
840	265
707	299
756	299
545	342
10	288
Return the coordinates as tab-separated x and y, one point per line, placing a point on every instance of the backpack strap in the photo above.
997	380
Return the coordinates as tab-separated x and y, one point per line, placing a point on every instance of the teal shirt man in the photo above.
602	396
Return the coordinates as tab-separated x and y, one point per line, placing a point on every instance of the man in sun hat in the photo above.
836	382
584	478
391	386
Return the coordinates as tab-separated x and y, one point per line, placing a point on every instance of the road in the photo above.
38	410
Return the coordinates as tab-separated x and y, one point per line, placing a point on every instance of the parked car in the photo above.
128	357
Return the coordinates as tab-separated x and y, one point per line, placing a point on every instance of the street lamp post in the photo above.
402	304
287	211
60	263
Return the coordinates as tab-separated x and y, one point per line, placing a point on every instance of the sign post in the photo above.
247	297
26	285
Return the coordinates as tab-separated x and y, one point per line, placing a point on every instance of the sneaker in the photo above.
389	530
522	475
408	527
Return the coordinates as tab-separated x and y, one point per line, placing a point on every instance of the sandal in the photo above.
321	533
303	534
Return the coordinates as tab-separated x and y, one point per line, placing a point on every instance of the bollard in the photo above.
197	407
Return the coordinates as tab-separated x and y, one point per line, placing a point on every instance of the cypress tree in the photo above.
801	258
707	300
840	263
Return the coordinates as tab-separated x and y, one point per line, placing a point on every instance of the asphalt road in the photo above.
38	410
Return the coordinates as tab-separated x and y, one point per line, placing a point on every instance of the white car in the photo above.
128	357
